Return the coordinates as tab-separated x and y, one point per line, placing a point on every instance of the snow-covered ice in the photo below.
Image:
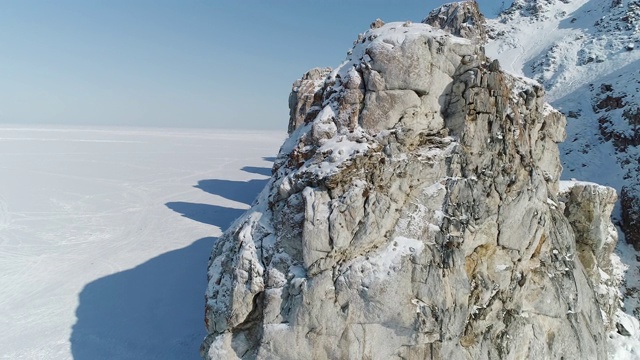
105	236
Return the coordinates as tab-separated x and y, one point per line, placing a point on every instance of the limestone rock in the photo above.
415	213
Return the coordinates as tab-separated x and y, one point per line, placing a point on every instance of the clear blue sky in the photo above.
179	63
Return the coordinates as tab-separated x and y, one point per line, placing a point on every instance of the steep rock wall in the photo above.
413	215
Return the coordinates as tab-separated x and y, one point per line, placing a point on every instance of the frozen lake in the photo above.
105	236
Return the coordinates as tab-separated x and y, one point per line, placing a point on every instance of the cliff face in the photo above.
415	212
584	52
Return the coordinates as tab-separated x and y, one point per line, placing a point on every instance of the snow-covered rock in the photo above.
415	212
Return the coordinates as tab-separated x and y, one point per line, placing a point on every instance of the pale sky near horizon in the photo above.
213	64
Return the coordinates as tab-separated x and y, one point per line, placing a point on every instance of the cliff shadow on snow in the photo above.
155	310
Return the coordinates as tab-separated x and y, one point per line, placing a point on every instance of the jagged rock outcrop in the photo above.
534	9
414	213
588	208
461	18
305	100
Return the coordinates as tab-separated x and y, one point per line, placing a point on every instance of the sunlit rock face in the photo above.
414	212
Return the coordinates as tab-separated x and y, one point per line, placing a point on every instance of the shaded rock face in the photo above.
414	213
618	120
630	204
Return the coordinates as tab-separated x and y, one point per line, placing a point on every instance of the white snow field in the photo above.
105	236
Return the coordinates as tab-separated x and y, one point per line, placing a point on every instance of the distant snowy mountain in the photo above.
584	52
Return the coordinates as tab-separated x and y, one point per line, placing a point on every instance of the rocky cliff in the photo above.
584	53
416	212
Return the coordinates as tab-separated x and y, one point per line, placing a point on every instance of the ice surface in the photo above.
105	236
